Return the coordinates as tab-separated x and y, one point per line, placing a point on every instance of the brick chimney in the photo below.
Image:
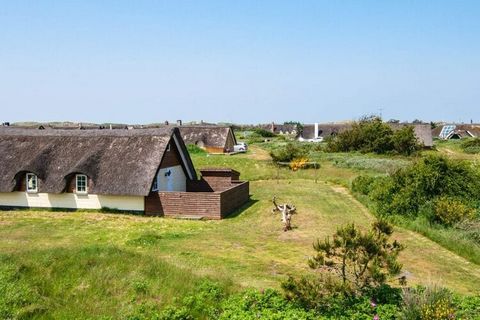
179	122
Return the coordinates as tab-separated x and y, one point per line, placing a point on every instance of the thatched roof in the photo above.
324	130
119	162
462	130
210	136
422	131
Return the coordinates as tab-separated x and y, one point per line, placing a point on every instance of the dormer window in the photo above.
81	183
32	183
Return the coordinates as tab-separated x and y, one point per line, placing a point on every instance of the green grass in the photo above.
81	265
452	239
453	149
92	264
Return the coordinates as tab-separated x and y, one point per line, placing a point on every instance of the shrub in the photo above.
405	191
288	153
299	163
404	141
362	260
449	211
471	145
255	138
324	295
371	134
430	303
269	304
264	133
468	307
363	184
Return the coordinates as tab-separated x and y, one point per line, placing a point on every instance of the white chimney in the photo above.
316	130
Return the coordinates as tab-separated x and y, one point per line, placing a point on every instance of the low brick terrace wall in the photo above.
201	200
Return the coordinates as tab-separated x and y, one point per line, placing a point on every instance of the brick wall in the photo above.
210	205
234	197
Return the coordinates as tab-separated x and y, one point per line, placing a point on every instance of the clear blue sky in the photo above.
239	61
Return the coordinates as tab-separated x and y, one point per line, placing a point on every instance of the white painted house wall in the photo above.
71	201
176	181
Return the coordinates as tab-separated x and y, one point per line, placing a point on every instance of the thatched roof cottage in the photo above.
212	138
145	170
456	131
319	131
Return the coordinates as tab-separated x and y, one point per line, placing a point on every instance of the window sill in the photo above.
81	193
32	191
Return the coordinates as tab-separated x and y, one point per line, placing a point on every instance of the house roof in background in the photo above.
211	136
461	129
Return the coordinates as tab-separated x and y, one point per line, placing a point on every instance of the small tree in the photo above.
405	141
361	259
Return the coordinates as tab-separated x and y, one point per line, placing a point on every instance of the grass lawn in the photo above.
87	265
68	265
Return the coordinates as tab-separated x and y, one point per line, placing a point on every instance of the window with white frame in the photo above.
32	183
81	183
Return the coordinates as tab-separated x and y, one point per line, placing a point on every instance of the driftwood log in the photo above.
287	211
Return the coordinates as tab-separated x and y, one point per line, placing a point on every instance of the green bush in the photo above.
255	138
288	152
210	301
269	304
468	307
363	184
405	141
430	303
371	134
450	211
408	189
471	145
264	133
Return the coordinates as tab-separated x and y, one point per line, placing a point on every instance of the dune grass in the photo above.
87	265
99	265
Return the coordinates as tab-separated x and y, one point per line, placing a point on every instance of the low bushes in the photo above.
287	153
210	301
446	185
437	197
471	145
427	303
264	133
371	134
450	211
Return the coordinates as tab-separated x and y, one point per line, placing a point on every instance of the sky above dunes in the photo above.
239	61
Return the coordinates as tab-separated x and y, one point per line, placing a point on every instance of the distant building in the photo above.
320	131
456	131
212	138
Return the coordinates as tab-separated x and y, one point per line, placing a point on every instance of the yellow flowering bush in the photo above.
298	163
441	309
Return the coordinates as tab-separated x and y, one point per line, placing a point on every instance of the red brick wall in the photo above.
234	197
210	205
218	183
